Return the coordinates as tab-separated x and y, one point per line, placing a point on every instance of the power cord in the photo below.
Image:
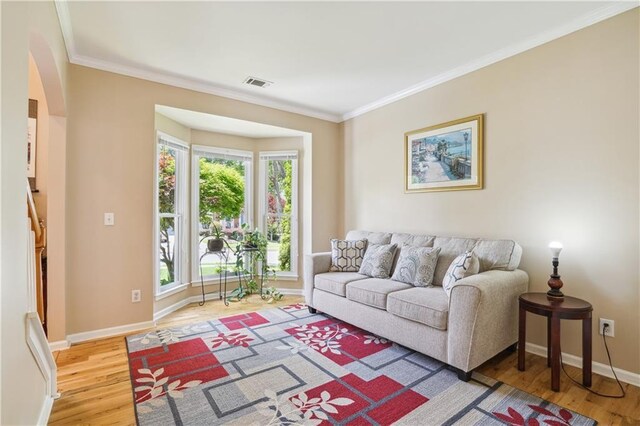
604	339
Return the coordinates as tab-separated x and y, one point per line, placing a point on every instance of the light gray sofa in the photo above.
478	320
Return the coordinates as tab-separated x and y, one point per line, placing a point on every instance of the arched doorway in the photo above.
52	129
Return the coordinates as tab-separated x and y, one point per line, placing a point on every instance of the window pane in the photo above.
167	179
168	254
222	203
278	218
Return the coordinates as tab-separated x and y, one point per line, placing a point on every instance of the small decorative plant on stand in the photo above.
216	242
251	266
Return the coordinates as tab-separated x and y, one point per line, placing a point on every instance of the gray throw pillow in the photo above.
347	255
416	265
463	266
378	260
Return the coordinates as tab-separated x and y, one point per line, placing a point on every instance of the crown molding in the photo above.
594	17
176	81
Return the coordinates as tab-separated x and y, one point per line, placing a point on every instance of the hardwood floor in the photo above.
93	377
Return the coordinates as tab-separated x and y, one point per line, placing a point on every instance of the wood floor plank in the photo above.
94	380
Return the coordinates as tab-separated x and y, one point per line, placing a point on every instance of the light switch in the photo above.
109	219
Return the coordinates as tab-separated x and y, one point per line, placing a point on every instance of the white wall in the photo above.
23	386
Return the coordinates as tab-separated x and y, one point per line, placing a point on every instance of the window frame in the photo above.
265	156
195	202
181	216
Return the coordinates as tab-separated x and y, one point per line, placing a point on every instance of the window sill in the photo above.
286	277
171	291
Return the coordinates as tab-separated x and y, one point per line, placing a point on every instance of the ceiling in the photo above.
332	60
219	124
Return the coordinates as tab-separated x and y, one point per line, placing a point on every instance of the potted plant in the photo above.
251	263
216	242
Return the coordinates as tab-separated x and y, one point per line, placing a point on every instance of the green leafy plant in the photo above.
254	268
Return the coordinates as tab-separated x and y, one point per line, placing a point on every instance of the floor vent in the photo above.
253	81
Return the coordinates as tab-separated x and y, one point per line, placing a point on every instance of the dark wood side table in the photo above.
555	310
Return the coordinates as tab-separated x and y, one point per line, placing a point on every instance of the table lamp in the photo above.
555	283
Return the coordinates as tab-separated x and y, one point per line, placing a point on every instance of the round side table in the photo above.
556	309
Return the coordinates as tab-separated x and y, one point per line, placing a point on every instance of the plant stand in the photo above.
254	275
223	258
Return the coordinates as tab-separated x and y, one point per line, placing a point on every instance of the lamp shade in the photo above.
555	248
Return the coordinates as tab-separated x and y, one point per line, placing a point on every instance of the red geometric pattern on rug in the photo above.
237	322
264	368
376	389
187	361
337	340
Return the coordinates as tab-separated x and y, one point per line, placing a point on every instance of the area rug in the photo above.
286	366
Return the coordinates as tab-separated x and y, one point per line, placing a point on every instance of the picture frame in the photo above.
445	157
32	142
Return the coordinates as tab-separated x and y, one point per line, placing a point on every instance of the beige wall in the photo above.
110	158
561	163
36	91
24	27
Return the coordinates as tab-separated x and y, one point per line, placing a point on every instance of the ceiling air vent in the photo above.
253	81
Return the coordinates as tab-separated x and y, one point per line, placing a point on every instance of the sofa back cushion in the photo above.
493	254
498	254
450	248
372	237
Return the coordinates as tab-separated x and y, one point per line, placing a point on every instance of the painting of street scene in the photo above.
446	156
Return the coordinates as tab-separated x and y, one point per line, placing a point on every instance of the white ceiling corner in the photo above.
361	62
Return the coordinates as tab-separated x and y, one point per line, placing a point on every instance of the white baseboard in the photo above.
291	291
210	296
59	345
184	302
597	367
108	332
45	411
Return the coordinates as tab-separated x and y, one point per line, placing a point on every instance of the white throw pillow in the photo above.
416	265
347	255
378	260
463	266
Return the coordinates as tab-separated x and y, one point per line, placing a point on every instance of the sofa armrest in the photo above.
483	316
315	263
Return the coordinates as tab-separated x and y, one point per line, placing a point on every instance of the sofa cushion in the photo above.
412	240
426	305
450	249
416	265
378	260
372	237
346	256
336	282
373	291
498	254
463	266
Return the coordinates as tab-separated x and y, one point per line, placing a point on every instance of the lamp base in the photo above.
555	284
555	293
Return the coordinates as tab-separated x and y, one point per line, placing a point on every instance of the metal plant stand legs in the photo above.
222	256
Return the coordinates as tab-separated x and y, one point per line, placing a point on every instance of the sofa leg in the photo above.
465	376
511	349
312	310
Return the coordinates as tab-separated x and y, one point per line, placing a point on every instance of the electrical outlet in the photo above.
109	219
135	296
610	329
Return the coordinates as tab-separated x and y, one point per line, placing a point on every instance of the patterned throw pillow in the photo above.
346	255
378	260
416	265
463	266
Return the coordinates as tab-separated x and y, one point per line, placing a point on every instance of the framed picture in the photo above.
445	157
32	142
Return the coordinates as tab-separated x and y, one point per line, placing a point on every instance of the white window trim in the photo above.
195	203
181	201
262	203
